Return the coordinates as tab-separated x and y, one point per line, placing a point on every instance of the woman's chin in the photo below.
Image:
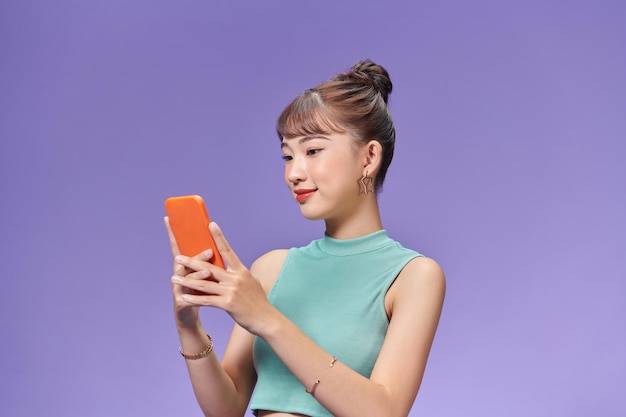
310	214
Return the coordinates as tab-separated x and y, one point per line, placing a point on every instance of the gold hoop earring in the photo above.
366	184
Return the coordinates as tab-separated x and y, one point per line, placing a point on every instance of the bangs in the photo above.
307	115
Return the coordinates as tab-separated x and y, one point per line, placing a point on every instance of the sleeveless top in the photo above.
334	291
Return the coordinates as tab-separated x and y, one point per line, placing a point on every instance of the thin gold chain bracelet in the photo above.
193	356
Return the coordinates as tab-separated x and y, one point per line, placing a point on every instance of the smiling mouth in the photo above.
303	195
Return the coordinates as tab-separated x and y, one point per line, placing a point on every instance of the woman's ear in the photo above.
373	157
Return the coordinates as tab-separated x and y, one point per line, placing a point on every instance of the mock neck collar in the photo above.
345	247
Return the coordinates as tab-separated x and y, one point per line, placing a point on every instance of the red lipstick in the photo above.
303	195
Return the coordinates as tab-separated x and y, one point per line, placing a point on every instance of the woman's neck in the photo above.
360	223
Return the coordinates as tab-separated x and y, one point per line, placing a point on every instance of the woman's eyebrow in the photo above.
304	139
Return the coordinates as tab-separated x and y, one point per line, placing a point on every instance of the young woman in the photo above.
342	326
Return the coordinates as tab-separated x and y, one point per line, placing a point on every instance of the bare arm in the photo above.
415	302
219	389
222	389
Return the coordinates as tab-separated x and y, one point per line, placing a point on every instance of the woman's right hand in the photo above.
186	315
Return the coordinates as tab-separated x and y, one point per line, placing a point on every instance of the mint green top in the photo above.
334	291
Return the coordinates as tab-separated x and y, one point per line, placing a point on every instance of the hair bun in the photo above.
373	75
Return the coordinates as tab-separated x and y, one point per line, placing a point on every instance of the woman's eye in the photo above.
287	158
313	151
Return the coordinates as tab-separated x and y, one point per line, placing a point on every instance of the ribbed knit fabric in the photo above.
334	291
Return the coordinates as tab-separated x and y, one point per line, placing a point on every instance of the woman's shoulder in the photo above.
268	266
423	270
418	289
424	267
421	274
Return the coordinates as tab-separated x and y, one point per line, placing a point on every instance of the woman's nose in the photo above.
295	171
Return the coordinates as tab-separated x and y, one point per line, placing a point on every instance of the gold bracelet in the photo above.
193	356
317	382
312	390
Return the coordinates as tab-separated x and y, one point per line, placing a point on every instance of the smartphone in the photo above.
189	221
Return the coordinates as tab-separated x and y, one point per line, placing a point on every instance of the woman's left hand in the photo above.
234	290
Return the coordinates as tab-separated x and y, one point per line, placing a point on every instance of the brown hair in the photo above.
354	102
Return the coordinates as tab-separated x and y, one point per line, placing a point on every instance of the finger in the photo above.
202	285
201	274
204	255
224	248
193	264
200	300
178	269
178	289
170	234
182	270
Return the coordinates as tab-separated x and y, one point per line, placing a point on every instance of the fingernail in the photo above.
179	258
176	279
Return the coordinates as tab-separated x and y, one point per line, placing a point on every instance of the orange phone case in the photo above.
190	220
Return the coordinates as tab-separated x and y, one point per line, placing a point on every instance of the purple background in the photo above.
510	171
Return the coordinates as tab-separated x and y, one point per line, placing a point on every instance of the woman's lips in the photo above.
303	195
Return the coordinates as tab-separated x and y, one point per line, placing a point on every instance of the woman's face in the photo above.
322	173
